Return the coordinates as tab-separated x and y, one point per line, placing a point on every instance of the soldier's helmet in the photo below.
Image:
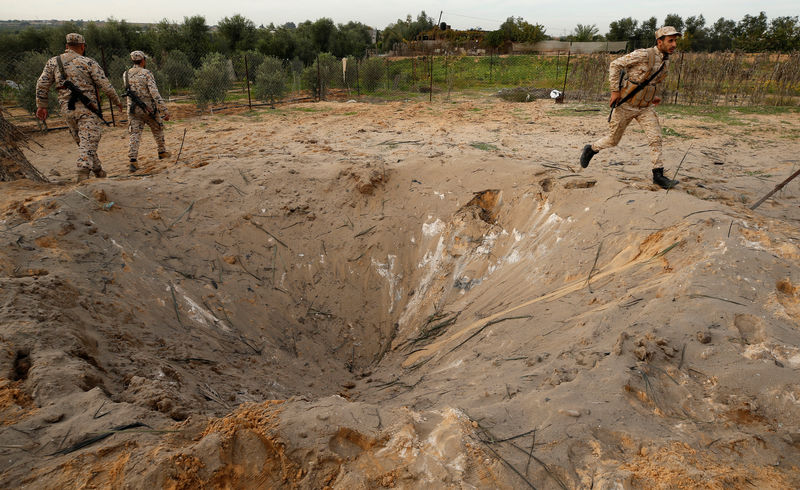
75	38
667	31
137	56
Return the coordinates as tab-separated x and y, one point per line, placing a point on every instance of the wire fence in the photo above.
218	82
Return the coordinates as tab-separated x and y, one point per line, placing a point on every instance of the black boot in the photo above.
132	167
587	155
661	180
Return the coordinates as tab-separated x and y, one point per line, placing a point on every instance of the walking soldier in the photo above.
145	106
638	76
77	78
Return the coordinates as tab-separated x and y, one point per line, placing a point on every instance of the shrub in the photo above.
178	70
28	69
254	60
371	71
271	80
212	80
325	72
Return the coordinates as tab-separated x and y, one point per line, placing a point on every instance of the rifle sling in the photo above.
135	98
76	94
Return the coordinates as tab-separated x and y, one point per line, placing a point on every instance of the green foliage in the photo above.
271	80
28	70
254	60
622	29
326	72
238	33
371	72
675	21
117	65
212	80
178	70
518	30
584	33
405	30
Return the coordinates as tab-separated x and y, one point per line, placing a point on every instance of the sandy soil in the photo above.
405	295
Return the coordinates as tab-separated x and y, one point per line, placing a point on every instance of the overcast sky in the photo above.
558	16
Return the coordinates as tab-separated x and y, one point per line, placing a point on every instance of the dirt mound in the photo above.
311	300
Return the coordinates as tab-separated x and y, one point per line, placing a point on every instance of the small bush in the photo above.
372	71
271	80
28	69
324	73
178	70
212	80
254	60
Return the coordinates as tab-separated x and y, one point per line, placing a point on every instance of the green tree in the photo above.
195	38
27	72
271	80
372	71
783	34
583	33
519	31
622	29
238	33
646	33
351	39
751	33
178	70
695	34
212	80
675	21
722	35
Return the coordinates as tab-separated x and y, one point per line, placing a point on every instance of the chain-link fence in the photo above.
217	82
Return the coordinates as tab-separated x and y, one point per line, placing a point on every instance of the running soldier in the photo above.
77	78
145	106
637	97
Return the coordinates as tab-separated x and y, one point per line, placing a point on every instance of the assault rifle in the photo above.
76	94
639	86
137	102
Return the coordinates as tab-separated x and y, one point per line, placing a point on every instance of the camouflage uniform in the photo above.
637	66
84	125
143	84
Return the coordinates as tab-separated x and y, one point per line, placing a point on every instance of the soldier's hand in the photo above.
41	113
656	100
121	109
166	117
614	98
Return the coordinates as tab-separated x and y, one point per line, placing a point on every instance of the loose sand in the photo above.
405	295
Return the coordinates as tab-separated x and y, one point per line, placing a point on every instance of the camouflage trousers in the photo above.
86	130
136	125
648	120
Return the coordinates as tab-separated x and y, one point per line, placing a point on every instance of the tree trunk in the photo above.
13	164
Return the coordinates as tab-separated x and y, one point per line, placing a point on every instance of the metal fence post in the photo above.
566	74
358	85
430	96
319	81
110	105
247	79
678	85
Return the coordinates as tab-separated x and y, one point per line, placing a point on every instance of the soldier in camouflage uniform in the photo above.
140	87
640	65
81	112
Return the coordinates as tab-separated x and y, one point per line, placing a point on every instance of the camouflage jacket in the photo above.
143	84
638	68
84	72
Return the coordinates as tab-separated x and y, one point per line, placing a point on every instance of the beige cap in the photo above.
137	56
75	38
667	31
